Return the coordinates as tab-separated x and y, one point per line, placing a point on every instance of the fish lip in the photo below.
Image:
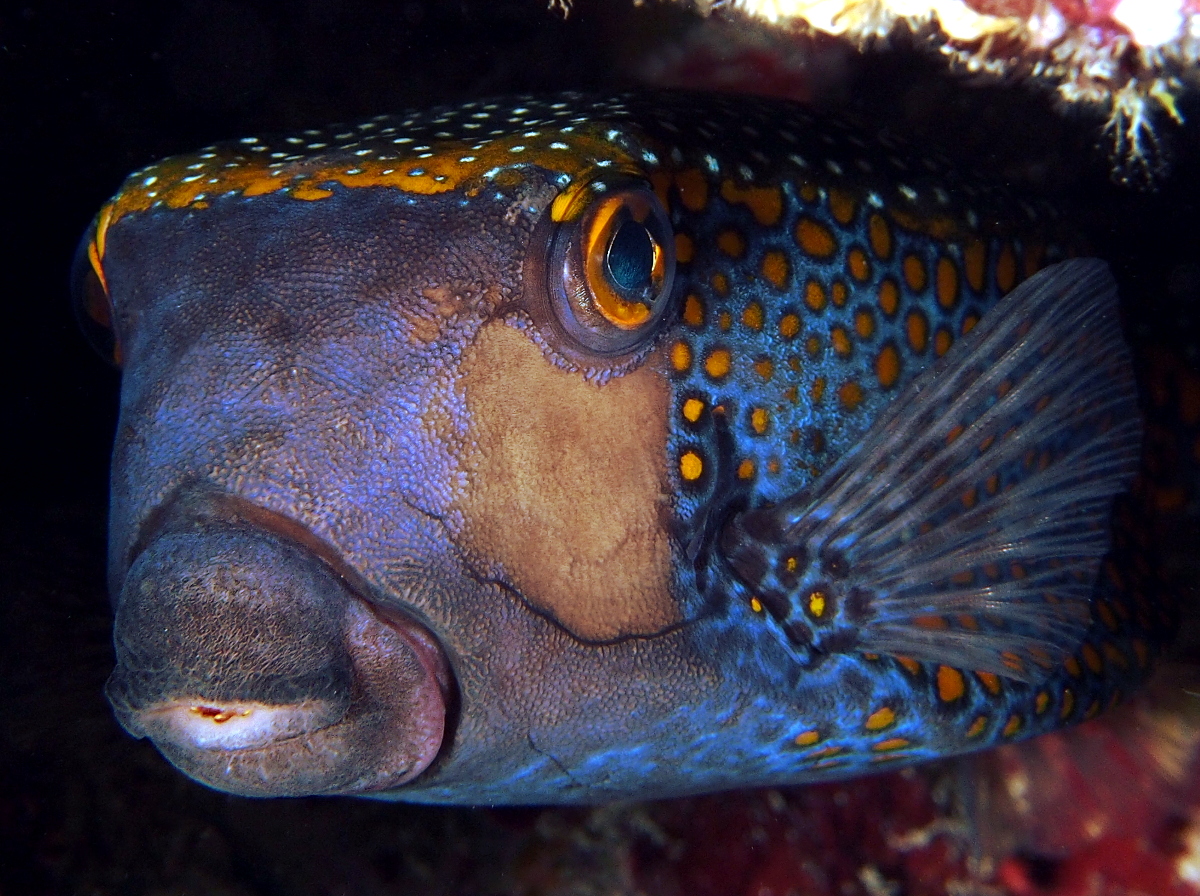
214	765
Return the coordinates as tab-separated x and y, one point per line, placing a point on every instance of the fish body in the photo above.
569	449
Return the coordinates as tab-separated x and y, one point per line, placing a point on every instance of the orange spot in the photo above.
850	395
685	249
775	268
1034	256
1012	726
864	323
724	321
731	243
718	362
969	323
812	345
942	340
1006	268
990	681
840	340
814	295
693	189
789	326
950	683
879	235
892	743
815	238
681	356
807	738
720	284
889	296
1041	702
947	283
759	420
1113	654
765	203
887	366
1142	652
1071	664
660	181
914	273
1092	658
977	726
692	409
975	263
1092	710
1068	703
691	466
839	293
1104	611
909	664
918	331
693	311
764	367
842	206
857	264
881	718
818	390
809	191
931	623
745	469
752	317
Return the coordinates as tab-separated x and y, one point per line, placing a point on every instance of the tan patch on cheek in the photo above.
567	487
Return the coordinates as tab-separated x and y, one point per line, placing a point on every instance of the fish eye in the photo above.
92	304
611	269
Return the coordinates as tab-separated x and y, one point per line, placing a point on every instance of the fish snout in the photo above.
256	668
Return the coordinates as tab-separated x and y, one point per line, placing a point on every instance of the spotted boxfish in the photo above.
567	449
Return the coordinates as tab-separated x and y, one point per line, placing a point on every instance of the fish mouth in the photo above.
256	664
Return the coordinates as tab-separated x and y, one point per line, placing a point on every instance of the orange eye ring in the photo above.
610	272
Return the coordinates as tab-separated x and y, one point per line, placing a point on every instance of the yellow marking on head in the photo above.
764	367
884	717
947	282
816	604
842	206
759	420
892	743
692	409
910	665
765	203
752	317
814	295
1068	703
691	467
840	340
807	738
864	323
789	326
693	311
720	284
1006	268
681	356
879	235
1012	726
889	296
731	243
857	265
1041	702
887	366
975	263
693	189
756	605
990	682
718	363
685	249
950	684
745	469
815	239
1092	658
917	329
915	274
775	268
942	340
978	724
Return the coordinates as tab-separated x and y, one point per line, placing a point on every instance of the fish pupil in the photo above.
631	258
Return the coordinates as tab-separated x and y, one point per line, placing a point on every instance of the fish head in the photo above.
390	476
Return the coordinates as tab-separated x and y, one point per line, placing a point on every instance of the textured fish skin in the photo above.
567	545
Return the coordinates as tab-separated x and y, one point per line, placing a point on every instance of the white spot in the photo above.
248	140
466	159
834	167
517	149
1152	23
907	192
150	181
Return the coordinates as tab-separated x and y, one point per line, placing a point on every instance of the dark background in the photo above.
89	92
